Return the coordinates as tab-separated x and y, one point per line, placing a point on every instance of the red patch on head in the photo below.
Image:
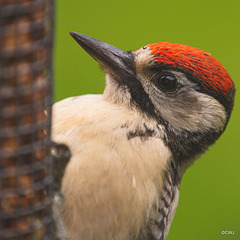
201	65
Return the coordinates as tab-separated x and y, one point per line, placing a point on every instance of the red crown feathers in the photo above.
200	64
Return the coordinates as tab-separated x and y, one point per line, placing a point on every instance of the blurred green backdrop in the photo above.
210	191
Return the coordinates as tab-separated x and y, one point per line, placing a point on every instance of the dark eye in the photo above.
167	82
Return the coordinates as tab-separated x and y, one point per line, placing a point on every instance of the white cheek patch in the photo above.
206	113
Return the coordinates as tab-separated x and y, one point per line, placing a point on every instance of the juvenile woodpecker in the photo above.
164	105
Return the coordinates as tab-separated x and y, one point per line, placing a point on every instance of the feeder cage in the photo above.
26	37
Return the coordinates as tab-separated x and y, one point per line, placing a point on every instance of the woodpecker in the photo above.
163	106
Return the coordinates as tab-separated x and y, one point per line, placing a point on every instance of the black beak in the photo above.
113	60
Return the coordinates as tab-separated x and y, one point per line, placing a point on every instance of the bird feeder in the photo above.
26	38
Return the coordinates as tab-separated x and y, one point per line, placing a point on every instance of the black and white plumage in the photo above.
131	146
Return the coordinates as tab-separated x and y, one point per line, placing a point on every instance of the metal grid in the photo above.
26	35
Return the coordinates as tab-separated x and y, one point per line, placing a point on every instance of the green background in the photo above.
210	191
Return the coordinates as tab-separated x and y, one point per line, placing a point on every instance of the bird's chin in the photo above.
116	92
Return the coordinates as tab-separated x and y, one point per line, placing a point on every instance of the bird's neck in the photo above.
186	146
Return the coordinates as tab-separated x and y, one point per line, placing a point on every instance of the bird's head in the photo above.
186	90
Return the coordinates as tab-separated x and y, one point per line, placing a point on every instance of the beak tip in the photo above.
73	34
78	37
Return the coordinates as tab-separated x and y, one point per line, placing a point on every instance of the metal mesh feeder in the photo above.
26	33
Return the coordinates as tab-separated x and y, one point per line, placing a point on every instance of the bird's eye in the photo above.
166	82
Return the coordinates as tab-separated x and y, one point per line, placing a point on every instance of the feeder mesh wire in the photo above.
26	37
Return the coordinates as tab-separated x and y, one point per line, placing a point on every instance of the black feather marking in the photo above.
186	145
144	133
60	157
158	224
